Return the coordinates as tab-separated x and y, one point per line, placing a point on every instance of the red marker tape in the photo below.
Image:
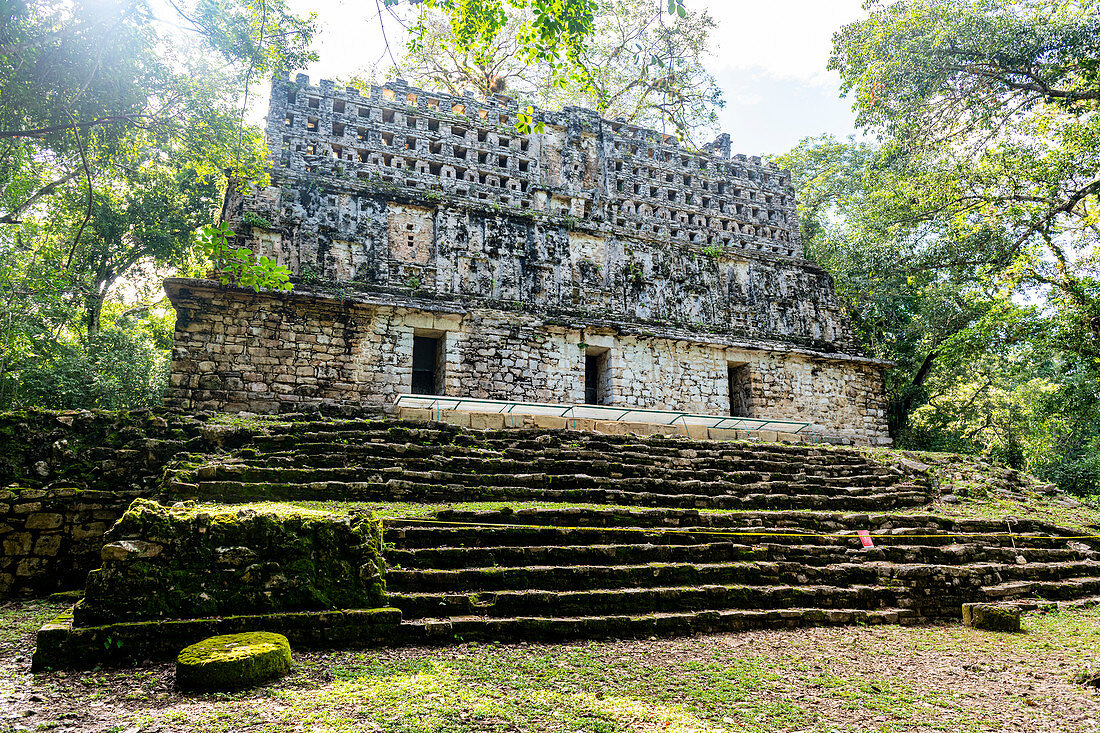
865	538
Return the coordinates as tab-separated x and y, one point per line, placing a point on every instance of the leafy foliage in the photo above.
637	63
116	129
991	106
963	241
113	369
240	265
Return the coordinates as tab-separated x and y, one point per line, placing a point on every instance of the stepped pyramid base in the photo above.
613	536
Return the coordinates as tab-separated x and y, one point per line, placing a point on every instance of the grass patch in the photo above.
21	619
878	679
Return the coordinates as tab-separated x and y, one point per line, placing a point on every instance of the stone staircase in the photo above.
384	461
642	542
487	574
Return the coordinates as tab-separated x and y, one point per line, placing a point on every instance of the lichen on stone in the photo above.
991	617
233	661
199	561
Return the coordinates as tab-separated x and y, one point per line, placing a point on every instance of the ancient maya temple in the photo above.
435	250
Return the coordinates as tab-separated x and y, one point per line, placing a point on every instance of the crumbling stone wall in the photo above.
65	478
51	537
411	189
407	213
192	562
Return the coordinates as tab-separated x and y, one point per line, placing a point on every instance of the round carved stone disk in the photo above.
233	661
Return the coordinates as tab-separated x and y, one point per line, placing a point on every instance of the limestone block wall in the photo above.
51	537
194	561
636	180
65	477
403	212
241	351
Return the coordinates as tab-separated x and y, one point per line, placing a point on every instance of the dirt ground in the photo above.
881	678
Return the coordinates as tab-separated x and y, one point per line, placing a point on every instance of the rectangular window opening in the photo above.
427	372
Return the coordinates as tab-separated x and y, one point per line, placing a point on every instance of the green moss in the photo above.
293	559
233	661
988	617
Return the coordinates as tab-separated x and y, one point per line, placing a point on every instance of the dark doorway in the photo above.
591	379
597	385
740	389
427	376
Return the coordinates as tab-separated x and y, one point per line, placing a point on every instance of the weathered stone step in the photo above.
794	520
600	602
520	475
572	442
588	577
321	465
1060	590
1050	571
395	431
410	536
556	628
398	490
428	458
607	577
632	554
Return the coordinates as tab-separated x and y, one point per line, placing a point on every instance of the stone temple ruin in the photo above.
438	251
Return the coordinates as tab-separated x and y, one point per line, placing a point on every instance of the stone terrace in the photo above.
658	535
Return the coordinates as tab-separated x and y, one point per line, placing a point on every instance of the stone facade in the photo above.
65	478
676	275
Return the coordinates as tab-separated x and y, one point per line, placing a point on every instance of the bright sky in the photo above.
769	61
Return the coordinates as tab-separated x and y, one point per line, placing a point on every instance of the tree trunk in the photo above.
901	406
93	311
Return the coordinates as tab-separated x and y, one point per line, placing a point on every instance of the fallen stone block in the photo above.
991	617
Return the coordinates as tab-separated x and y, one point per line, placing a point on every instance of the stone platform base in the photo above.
60	645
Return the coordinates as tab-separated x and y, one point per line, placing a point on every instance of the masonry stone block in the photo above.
486	421
44	520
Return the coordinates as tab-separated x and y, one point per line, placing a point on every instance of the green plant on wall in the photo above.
239	265
310	274
253	219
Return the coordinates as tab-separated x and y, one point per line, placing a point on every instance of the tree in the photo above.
116	129
904	304
994	103
548	32
639	63
963	239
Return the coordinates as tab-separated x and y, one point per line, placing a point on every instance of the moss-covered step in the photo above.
533	628
60	645
204	561
233	661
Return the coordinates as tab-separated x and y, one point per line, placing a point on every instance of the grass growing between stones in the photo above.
978	489
880	679
1084	518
